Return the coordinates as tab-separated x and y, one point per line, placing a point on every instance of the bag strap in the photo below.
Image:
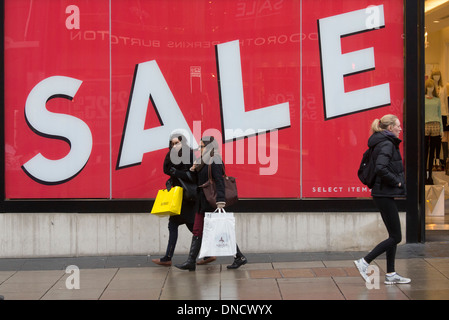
209	172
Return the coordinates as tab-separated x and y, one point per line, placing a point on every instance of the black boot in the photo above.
190	264
239	260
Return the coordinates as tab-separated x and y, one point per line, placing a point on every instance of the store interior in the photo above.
437	125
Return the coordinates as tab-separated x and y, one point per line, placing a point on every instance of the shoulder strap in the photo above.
209	169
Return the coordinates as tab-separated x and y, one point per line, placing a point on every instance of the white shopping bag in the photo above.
218	234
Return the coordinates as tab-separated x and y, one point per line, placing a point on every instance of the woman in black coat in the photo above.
389	184
176	166
209	157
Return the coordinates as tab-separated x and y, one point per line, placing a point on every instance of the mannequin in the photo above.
442	94
433	125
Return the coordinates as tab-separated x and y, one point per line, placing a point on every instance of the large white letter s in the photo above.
57	126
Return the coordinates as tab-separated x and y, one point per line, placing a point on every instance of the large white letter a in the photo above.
136	140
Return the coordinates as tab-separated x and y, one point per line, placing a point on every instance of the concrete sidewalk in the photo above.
284	276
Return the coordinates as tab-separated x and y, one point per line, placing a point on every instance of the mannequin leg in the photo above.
426	152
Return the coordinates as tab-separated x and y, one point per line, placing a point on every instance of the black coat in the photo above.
388	165
188	209
217	172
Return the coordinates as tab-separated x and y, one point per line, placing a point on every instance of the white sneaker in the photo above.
395	278
362	266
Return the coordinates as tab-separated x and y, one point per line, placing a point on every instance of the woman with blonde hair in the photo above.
389	184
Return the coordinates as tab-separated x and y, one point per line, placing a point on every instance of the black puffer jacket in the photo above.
389	168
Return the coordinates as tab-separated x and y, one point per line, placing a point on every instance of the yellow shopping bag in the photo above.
168	202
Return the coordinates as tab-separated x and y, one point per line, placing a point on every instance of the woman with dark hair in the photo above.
209	157
177	163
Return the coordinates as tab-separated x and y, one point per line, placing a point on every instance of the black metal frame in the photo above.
413	119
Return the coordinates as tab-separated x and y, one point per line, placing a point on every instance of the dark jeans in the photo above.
173	237
390	216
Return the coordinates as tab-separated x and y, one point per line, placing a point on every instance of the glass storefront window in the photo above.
94	89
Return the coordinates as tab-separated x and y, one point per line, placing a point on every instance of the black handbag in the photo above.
190	188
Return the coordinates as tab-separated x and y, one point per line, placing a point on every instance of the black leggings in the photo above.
390	216
432	148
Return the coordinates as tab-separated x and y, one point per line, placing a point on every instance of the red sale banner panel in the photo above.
93	91
56	99
352	73
228	72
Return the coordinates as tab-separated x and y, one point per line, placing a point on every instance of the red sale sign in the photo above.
93	90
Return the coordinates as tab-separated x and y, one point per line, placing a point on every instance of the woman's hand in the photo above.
221	205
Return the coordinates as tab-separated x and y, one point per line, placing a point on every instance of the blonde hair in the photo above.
383	123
